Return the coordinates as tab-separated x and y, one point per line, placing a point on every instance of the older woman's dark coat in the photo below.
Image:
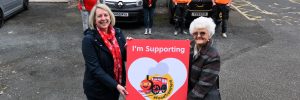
204	74
99	82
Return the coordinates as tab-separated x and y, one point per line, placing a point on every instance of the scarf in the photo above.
150	2
113	46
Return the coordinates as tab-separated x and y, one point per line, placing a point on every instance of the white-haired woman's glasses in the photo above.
199	33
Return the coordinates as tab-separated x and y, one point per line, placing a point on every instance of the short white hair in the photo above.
93	12
203	22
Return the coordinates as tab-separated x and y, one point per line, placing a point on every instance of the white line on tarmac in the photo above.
249	4
242	13
295	1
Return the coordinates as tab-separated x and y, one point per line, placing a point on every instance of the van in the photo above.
126	10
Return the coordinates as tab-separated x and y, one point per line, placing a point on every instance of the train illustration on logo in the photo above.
154	85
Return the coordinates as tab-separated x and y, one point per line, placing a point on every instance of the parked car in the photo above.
195	9
11	7
126	10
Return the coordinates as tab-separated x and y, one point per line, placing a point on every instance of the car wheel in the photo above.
25	4
1	18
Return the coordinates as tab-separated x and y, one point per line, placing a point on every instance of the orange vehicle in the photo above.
155	85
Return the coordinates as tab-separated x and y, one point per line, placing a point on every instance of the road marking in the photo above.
295	1
294	13
246	8
253	12
288	19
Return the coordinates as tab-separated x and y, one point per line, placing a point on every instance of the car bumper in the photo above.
129	15
192	14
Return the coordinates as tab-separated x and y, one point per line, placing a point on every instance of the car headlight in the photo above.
139	3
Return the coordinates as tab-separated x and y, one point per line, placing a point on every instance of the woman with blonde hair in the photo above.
103	49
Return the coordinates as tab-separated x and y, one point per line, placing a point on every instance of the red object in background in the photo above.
88	4
150	2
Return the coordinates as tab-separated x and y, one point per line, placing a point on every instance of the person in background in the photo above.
85	7
221	7
149	7
103	49
180	13
204	62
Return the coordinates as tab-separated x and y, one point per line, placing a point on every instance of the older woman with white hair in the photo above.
103	49
204	62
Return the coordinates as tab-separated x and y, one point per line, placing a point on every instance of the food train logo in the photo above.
156	87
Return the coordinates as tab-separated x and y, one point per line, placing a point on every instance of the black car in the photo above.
195	9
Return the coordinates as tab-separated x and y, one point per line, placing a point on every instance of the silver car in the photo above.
10	7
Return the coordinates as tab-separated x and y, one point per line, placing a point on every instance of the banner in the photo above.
157	69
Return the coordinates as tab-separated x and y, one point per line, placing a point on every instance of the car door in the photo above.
10	6
7	5
20	2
